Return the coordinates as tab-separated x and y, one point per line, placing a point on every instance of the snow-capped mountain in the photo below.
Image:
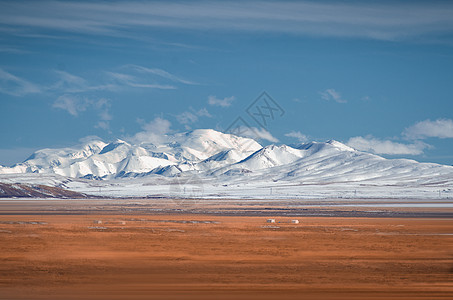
226	165
332	161
335	162
100	160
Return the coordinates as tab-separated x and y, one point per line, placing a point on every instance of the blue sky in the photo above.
375	75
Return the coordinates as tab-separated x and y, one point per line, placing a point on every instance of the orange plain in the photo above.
222	257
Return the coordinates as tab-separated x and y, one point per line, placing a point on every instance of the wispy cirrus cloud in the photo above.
144	77
71	83
399	20
160	73
15	86
14	50
133	81
70	79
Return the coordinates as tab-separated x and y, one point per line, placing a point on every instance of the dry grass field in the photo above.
223	257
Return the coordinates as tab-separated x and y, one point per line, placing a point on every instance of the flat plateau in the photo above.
186	249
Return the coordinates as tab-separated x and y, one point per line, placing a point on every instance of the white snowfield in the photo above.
205	163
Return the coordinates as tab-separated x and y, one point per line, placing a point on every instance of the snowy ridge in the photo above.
98	160
224	165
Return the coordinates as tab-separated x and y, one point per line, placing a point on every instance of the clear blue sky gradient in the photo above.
360	69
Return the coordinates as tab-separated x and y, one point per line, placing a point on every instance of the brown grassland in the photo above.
224	257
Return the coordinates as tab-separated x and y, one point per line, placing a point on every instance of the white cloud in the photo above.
103	125
133	81
378	146
153	132
257	134
204	113
74	105
15	86
121	77
189	117
70	83
103	108
441	128
297	135
331	94
142	77
66	77
161	73
158	126
71	104
6	49
105	115
365	19
225	102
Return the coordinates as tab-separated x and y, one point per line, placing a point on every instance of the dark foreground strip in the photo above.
244	213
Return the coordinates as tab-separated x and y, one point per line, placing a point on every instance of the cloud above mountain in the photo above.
380	146
76	104
257	134
440	128
154	131
222	102
300	137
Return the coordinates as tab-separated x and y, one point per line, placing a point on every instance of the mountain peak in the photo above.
340	145
113	145
318	146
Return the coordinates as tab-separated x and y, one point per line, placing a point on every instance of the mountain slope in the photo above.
36	191
330	162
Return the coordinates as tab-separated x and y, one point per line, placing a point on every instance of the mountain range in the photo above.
217	161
